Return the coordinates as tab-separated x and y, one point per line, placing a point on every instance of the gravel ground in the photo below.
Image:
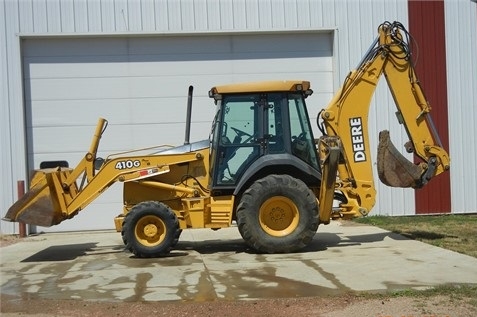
341	306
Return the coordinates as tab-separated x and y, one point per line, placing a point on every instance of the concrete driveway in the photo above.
208	265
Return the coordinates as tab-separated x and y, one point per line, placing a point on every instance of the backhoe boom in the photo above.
346	117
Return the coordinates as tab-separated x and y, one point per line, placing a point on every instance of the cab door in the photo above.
240	137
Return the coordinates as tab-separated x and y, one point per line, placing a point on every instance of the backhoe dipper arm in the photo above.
346	117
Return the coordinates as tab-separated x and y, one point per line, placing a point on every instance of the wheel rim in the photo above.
279	216
150	231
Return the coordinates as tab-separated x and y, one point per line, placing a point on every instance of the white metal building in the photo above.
64	63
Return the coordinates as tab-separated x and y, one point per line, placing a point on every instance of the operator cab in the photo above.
260	125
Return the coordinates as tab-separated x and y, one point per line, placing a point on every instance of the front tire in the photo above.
150	229
278	214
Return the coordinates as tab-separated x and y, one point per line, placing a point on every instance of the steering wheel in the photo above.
240	133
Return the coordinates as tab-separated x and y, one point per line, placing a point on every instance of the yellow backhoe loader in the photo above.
261	166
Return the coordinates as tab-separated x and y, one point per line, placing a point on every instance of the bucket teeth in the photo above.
393	168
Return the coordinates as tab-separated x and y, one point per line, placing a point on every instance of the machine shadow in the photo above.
321	242
68	252
64	252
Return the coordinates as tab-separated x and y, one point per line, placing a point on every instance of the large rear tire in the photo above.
278	214
150	229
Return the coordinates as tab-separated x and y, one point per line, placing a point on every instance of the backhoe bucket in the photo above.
393	168
42	205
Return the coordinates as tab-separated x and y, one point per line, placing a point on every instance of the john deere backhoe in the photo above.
261	166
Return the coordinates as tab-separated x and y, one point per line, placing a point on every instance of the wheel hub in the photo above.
279	216
150	230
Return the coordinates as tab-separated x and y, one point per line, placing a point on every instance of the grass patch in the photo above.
453	232
453	291
451	294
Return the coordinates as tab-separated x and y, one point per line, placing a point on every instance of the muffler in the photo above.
393	168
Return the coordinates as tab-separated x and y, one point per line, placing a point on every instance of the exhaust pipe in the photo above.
188	117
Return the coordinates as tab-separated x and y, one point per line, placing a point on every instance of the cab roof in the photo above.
261	86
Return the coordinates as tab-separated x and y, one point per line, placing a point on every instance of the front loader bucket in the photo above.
42	205
393	168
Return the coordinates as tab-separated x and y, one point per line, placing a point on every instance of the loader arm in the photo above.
346	117
55	194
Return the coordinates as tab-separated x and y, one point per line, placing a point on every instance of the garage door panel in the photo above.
120	111
118	88
97	216
111	143
299	44
66	139
74	47
143	135
118	66
140	86
301	65
180	45
117	138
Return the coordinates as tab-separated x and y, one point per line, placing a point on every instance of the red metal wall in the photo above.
427	27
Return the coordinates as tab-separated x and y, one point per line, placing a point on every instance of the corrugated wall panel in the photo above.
25	13
6	172
251	12
81	16
461	51
427	26
14	160
351	20
67	17
94	16
147	15
108	20
134	16
40	18
53	14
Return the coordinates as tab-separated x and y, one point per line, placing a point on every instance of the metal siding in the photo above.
265	15
349	19
53	15
251	14
426	24
147	15
67	17
461	51
25	12
94	16
81	16
6	194
174	15
108	19
40	19
12	125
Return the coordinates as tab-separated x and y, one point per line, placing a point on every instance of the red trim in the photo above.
427	27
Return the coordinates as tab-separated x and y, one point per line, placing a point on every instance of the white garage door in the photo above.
139	84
